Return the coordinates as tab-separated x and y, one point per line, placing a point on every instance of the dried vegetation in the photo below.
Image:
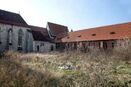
67	69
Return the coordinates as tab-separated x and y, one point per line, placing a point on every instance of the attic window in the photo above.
112	33
93	34
68	37
79	36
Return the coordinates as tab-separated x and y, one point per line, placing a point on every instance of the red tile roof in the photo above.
12	18
118	31
60	36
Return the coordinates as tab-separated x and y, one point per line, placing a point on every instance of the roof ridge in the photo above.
9	11
37	26
11	18
102	26
57	24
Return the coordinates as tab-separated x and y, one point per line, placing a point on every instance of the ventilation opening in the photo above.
112	33
79	36
93	34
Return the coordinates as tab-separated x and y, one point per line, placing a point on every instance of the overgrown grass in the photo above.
67	69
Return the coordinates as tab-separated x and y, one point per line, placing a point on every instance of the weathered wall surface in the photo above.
41	46
27	39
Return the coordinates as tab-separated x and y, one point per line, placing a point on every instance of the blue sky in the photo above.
76	14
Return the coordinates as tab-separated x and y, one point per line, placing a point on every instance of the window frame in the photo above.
20	40
10	34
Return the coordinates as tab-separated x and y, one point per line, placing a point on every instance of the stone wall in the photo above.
27	39
42	46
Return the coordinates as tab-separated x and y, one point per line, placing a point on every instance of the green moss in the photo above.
70	72
124	69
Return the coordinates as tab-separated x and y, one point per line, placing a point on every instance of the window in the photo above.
105	45
113	44
38	48
112	33
10	36
20	39
52	48
93	34
79	36
42	44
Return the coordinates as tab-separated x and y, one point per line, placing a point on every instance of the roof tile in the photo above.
119	31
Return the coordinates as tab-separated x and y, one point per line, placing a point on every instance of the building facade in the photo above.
41	40
17	35
106	37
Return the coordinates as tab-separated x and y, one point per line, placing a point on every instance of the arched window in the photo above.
10	36
20	39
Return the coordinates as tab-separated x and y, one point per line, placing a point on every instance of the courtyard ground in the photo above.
66	69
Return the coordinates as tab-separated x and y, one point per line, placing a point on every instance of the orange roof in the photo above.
118	31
